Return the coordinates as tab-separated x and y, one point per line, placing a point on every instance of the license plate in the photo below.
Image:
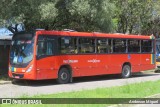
17	77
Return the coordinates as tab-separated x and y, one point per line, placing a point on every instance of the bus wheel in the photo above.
63	76
126	71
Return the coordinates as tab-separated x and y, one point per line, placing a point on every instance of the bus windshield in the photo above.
157	49
22	49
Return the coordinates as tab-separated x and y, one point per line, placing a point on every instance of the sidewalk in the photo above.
2	82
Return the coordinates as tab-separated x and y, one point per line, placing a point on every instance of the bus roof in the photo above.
94	34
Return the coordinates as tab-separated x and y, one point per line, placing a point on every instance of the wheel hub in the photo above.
126	71
63	76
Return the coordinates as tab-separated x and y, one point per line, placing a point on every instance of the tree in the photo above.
91	15
153	26
133	15
81	15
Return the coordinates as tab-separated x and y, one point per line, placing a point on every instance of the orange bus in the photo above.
63	55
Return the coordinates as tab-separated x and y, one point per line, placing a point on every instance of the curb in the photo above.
5	82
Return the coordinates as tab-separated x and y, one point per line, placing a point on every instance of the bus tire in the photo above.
126	71
13	81
63	76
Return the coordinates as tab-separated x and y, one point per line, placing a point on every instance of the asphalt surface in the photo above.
30	88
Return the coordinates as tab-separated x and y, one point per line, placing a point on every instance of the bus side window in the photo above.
86	45
41	48
102	45
146	46
133	46
49	50
119	46
45	46
68	45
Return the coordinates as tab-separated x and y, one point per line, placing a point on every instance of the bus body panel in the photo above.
20	73
116	62
80	64
135	62
46	68
147	61
103	62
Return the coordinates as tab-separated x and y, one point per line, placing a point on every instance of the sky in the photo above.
5	32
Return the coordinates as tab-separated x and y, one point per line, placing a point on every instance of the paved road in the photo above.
50	86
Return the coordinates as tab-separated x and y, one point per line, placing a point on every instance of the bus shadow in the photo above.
78	79
143	74
54	82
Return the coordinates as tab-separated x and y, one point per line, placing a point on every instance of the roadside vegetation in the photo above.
136	90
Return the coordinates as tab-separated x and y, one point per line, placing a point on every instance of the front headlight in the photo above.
30	68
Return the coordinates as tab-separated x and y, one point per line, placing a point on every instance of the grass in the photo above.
136	90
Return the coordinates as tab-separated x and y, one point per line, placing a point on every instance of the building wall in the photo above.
4	58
